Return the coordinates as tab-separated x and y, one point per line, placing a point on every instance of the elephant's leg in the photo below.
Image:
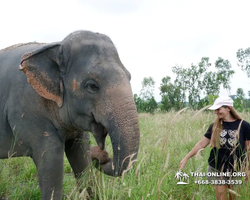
11	146
48	157
77	152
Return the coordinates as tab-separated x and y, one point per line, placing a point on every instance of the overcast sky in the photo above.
151	35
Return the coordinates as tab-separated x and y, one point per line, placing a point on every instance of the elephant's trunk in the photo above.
123	129
125	144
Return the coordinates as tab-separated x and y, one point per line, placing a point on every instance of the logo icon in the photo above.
182	177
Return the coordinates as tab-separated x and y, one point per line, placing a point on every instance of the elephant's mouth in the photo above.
99	132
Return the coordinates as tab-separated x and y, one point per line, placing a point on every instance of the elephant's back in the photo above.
13	82
10	59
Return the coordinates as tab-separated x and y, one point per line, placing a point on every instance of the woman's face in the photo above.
223	112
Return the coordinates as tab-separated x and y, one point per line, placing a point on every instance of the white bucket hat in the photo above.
222	101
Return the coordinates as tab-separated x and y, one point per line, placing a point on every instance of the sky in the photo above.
151	36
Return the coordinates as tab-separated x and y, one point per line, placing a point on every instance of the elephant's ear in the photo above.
43	71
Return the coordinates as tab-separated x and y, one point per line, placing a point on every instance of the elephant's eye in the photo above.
91	86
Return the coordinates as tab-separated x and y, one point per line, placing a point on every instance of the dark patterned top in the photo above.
228	158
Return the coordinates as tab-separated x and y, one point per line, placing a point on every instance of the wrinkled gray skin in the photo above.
59	91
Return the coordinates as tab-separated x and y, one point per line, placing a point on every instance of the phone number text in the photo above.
219	182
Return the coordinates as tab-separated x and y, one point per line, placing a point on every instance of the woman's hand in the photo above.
183	163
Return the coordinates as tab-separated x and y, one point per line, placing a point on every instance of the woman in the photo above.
228	147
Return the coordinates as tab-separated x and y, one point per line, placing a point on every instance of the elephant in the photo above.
53	94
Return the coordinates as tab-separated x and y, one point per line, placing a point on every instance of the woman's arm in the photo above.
200	145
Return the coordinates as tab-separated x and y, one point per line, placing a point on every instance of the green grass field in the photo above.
165	140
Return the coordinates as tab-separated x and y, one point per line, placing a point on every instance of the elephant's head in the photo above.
84	76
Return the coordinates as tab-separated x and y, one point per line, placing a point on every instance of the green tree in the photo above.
150	105
214	80
139	103
224	73
207	100
239	100
210	84
171	95
194	81
191	81
148	86
243	58
247	105
196	75
146	101
181	82
221	77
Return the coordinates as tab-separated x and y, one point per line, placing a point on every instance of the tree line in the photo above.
195	87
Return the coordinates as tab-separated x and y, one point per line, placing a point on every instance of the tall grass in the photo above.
165	140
